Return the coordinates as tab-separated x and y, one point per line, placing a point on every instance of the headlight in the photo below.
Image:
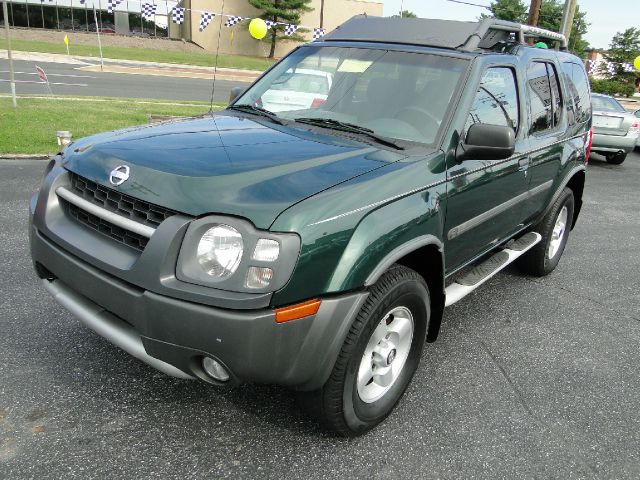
220	251
230	254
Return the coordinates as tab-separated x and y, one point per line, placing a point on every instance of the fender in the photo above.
578	201
400	230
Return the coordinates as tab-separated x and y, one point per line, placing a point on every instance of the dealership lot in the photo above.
529	378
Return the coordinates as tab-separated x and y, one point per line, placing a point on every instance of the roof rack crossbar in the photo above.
520	30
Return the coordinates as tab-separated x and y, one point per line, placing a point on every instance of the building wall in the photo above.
236	40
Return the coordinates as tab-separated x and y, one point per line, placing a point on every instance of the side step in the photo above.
482	272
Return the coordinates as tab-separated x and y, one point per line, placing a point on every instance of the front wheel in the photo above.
615	158
378	358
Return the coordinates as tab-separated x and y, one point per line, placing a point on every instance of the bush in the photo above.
612	87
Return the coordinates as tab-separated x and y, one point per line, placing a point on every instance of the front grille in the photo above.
116	202
127	237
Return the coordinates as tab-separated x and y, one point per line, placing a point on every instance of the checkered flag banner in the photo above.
290	29
611	68
111	4
318	33
148	10
232	20
593	67
270	23
177	14
627	67
82	2
205	20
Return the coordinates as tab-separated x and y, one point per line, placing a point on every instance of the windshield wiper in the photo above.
244	107
348	127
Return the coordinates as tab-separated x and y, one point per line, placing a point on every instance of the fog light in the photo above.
214	369
259	277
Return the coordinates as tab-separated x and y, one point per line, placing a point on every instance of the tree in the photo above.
512	10
551	19
405	14
284	11
624	48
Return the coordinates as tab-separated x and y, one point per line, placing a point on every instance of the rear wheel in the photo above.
378	358
554	229
615	158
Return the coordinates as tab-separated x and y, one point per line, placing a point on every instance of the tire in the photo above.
542	259
399	298
615	158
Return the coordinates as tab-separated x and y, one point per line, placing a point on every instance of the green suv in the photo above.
317	247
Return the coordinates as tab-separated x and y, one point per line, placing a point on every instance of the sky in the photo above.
605	16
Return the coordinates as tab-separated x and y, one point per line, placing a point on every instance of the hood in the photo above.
224	164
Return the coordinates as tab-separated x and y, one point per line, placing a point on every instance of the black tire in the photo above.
615	158
537	261
338	404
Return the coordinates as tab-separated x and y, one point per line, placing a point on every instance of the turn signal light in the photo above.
295	312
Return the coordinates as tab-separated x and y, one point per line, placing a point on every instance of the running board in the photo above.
482	272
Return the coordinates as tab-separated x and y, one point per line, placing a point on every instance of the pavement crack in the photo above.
525	405
589	299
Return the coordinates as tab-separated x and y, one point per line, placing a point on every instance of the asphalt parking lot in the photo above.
530	378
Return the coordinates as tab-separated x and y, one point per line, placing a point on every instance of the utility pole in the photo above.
9	56
321	13
534	13
567	17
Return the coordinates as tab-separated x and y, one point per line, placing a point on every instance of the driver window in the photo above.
496	101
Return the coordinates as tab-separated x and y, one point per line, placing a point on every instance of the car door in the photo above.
547	127
484	197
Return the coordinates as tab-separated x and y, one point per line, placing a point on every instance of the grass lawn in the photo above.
146	54
31	128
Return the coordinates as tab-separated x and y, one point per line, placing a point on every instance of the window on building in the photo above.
496	102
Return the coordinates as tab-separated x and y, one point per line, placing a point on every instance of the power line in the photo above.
469	3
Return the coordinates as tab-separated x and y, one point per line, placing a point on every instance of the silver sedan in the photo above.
615	131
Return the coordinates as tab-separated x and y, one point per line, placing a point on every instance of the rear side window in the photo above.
556	99
544	96
496	101
578	86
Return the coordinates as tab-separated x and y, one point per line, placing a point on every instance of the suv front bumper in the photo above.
173	335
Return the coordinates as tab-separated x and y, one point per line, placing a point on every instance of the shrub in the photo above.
612	87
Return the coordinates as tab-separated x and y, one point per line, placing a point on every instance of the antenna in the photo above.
215	65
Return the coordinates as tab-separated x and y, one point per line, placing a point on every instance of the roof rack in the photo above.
489	27
453	34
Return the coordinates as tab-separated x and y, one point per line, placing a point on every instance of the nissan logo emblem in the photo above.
119	175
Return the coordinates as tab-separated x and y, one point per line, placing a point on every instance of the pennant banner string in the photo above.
177	14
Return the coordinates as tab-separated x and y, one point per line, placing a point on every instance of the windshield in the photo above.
389	94
606	104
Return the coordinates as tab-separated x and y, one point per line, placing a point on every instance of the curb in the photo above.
24	156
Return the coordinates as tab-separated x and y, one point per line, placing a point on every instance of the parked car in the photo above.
615	131
317	247
300	89
637	115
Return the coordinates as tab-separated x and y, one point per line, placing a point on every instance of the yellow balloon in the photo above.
258	28
636	62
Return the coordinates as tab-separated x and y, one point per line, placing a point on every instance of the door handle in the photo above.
523	164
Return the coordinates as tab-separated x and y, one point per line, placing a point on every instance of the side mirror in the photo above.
487	142
235	93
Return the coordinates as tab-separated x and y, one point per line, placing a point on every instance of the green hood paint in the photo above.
225	164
